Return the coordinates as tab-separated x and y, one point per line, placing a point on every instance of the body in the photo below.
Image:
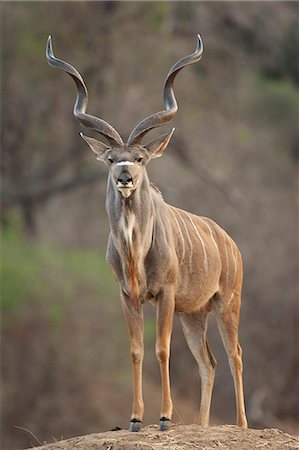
186	246
180	262
185	264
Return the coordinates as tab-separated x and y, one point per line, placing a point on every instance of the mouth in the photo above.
125	189
128	185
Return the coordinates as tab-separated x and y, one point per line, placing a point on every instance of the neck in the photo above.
132	224
131	219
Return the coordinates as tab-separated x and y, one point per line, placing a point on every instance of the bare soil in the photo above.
182	437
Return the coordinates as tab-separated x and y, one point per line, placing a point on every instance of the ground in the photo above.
182	437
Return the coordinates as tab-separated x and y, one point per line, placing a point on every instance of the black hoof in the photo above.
164	423
135	425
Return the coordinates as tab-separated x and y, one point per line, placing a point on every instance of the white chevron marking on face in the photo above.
125	163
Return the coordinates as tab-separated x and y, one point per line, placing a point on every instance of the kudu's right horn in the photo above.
163	117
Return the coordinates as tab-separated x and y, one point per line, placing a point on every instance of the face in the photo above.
127	164
126	168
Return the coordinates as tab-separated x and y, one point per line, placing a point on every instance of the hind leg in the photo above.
195	330
227	315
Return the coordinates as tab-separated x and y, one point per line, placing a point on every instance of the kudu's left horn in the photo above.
163	117
80	106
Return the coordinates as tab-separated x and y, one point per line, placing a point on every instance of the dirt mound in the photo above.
182	437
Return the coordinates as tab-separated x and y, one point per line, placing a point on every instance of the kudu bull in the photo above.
180	262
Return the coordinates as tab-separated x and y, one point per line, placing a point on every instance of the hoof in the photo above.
164	423
135	425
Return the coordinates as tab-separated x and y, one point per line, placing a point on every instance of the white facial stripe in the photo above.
125	163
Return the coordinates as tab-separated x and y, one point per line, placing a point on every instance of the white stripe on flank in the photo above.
231	297
211	233
189	239
226	256
205	262
180	233
125	163
235	260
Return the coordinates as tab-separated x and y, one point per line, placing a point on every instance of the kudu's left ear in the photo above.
157	146
96	146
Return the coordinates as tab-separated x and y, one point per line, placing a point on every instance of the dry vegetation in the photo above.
65	357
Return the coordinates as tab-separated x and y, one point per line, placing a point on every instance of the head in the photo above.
126	161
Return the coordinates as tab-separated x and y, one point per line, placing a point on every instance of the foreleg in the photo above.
135	323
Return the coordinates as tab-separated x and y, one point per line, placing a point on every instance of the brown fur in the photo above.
182	263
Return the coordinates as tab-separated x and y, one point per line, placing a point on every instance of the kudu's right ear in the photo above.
96	146
157	146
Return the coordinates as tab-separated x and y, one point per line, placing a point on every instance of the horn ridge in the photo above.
163	117
95	123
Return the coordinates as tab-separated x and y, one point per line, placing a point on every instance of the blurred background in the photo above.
66	366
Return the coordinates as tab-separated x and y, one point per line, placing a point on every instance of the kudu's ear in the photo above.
157	146
96	146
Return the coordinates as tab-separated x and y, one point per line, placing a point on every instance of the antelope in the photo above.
179	262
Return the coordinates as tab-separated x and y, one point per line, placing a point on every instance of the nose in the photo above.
125	178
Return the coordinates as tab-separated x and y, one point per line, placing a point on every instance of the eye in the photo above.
110	160
139	159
